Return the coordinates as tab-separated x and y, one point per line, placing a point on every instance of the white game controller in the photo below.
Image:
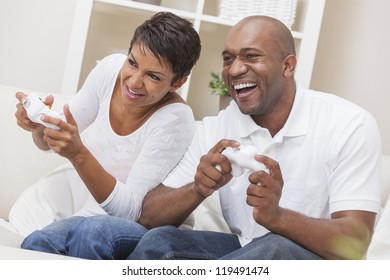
35	109
242	158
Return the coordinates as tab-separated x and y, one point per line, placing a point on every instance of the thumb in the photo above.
69	116
49	100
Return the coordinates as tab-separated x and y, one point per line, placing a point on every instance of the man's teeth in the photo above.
241	86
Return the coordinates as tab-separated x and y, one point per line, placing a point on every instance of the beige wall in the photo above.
34	39
353	57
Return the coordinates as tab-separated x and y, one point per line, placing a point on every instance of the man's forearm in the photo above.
345	236
168	206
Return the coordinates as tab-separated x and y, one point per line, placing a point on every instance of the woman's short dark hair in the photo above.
171	39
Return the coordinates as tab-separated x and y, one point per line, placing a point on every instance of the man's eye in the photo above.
250	56
227	58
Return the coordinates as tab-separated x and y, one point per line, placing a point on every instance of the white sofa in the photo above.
24	168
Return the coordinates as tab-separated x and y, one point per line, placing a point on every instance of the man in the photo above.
321	193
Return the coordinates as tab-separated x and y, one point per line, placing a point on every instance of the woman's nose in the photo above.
135	80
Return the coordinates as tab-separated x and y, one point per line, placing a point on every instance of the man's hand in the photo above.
264	192
208	177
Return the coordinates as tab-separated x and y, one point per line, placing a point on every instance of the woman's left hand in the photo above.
66	141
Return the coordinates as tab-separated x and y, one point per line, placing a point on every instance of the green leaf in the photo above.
217	85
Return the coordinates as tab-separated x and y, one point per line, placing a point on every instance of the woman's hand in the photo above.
66	141
21	114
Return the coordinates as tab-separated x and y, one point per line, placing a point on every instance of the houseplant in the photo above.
218	87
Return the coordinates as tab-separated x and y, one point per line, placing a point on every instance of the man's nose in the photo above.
237	68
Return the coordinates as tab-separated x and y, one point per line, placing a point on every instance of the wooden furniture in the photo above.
102	27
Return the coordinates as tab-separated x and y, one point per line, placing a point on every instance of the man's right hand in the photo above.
208	177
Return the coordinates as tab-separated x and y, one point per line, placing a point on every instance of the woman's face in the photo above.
144	79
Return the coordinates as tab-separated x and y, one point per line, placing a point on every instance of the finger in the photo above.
208	166
260	178
204	180
69	116
22	119
222	145
49	100
208	186
20	111
53	120
20	96
272	165
259	196
256	190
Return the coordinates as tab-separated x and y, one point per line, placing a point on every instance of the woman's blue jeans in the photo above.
168	242
97	237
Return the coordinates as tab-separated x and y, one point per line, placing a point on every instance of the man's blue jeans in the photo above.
171	243
97	237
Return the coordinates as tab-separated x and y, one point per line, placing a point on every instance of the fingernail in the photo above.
23	101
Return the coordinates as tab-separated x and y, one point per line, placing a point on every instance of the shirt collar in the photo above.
296	125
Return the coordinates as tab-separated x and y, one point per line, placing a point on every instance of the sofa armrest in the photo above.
8	235
54	197
21	162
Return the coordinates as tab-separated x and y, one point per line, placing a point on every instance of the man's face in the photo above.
253	67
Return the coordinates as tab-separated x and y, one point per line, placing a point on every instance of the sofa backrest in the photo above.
21	162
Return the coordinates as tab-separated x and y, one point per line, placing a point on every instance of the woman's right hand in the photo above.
21	114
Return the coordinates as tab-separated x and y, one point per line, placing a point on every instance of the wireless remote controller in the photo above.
242	158
35	109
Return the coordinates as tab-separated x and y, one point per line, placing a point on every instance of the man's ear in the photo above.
179	83
289	65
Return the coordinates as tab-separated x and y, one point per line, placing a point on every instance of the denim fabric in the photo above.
52	238
97	237
170	243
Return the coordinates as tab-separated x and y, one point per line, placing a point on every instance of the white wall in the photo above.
34	39
353	57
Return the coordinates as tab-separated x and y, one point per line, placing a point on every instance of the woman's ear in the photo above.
176	85
289	65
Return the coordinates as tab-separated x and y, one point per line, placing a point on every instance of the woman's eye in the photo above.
154	77
132	62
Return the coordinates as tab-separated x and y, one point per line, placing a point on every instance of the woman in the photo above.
138	126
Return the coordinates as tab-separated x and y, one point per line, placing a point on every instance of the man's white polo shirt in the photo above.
329	153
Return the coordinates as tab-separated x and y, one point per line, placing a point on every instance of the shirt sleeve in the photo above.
84	106
169	134
355	180
184	172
